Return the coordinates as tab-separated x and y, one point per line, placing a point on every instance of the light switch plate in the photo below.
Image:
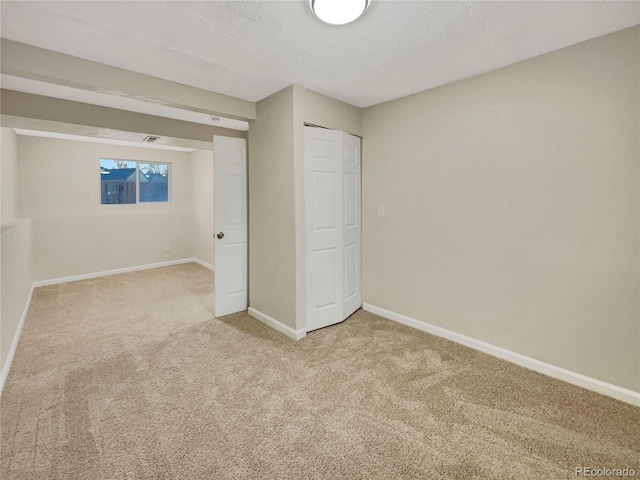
381	211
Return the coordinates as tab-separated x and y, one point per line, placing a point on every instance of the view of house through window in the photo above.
127	181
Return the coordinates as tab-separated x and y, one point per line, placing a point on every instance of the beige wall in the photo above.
76	245
15	249
15	282
59	187
9	176
318	109
512	208
314	108
202	198
272	247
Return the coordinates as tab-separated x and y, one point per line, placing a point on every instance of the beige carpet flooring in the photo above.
131	377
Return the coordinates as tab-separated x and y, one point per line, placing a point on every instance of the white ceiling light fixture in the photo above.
338	12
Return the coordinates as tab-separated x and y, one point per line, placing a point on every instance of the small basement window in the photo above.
128	181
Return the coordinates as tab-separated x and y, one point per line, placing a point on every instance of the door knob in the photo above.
220	235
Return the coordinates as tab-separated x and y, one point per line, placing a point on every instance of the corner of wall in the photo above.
271	208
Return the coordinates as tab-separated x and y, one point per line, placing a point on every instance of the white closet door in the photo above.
352	293
332	208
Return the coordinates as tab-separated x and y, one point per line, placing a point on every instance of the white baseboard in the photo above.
86	276
14	344
203	263
614	391
276	325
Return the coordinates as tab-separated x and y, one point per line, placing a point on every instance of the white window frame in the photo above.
137	174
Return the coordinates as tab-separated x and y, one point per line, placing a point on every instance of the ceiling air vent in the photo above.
150	138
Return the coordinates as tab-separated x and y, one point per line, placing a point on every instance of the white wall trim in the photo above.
14	344
619	393
275	324
203	263
86	276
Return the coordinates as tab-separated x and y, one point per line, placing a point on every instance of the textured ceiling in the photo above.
251	49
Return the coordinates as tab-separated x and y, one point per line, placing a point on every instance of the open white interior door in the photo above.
333	238
230	224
